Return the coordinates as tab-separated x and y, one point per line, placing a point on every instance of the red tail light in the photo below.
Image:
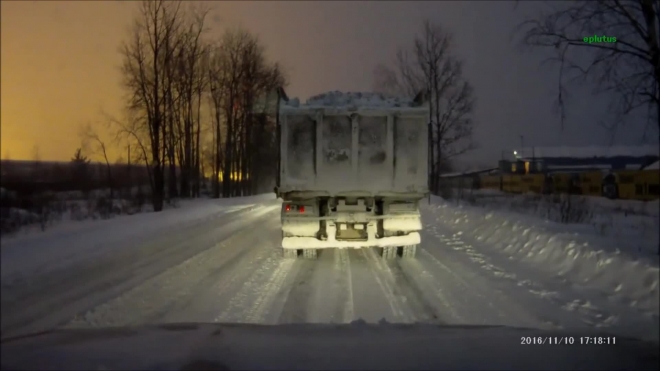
301	209
287	207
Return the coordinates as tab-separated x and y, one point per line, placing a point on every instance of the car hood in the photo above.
316	346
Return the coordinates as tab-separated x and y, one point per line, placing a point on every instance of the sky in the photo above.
60	66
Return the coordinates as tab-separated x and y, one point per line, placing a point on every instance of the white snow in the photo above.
314	243
404	224
301	227
74	241
589	151
348	99
653	166
220	260
617	270
504	200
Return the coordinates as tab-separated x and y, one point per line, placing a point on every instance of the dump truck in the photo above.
353	168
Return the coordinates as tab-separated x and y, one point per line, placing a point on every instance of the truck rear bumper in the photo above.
313	243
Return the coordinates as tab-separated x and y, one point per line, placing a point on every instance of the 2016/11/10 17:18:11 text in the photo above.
567	340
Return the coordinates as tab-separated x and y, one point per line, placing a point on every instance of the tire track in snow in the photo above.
385	285
506	306
211	293
415	294
296	305
108	278
497	306
158	295
550	295
430	286
251	303
258	311
405	298
590	315
321	291
343	260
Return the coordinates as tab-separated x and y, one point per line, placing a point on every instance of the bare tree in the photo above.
90	137
146	58
430	66
406	79
243	86
171	72
216	79
225	75
190	80
613	44
131	132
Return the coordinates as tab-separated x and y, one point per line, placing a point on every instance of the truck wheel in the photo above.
409	251
389	252
289	253
309	253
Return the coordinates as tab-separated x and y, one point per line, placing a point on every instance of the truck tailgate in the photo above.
378	153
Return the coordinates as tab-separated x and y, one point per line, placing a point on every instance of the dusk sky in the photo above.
60	65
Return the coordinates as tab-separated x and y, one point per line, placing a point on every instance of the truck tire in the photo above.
409	251
289	253
389	252
309	253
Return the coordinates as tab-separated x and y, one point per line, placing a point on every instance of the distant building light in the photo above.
515	152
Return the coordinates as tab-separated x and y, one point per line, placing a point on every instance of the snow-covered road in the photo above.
226	267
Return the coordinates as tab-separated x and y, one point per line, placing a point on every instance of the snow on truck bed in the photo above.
337	99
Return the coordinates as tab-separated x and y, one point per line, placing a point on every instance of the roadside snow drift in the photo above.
74	241
591	261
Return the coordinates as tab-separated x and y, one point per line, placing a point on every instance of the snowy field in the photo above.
218	261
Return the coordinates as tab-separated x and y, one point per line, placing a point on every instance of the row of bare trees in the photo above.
197	107
431	66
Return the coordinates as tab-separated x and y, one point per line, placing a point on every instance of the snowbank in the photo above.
69	242
348	99
600	204
588	260
653	166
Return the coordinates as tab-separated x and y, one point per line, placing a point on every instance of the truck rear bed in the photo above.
369	152
351	176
